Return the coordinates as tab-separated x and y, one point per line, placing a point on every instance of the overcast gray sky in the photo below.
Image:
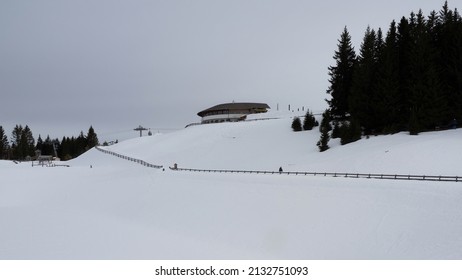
114	64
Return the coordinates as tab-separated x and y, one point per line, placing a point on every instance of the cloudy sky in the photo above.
116	64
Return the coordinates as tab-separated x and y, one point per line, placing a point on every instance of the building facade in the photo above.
231	112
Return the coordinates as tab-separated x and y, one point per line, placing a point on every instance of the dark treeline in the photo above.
23	145
409	79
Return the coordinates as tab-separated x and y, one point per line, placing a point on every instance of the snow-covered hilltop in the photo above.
269	144
104	207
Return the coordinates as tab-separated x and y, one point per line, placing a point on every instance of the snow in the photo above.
103	207
268	144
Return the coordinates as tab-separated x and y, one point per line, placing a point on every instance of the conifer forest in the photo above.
23	146
408	78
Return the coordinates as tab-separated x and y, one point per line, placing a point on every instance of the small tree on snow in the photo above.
324	129
322	143
309	122
325	122
297	124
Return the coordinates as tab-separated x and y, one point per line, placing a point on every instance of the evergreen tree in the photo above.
27	142
428	104
379	44
4	145
387	88
80	144
323	143
17	151
448	40
23	143
16	135
411	80
92	138
309	122
296	124
39	145
350	131
65	149
324	128
415	126
362	102
341	77
335	130
72	147
325	122
47	148
405	45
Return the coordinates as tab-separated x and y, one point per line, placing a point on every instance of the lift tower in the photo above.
140	129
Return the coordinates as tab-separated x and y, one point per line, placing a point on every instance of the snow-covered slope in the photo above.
268	144
103	207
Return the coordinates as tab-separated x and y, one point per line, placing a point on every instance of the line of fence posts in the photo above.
139	161
325	174
333	174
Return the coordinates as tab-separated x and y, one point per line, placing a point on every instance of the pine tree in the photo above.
411	80
80	144
350	131
39	145
377	101
362	98
415	125
428	104
323	141
341	77
296	124
47	148
448	29
325	121
27	142
324	128
92	138
405	45
4	145
16	135
335	130
309	122
17	150
387	87
65	149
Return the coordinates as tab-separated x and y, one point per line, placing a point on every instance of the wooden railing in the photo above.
135	160
333	174
439	178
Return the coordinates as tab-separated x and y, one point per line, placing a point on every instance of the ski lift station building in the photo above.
231	112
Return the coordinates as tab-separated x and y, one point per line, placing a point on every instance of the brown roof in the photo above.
234	106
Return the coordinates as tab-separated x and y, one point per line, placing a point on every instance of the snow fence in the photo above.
135	160
334	174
